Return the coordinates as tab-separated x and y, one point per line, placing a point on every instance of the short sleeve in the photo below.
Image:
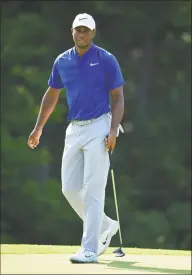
55	80
113	72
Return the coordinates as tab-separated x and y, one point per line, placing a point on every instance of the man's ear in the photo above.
71	30
94	33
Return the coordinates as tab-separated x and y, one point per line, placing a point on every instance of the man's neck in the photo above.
81	52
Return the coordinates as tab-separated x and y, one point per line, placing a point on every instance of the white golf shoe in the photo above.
83	256
105	237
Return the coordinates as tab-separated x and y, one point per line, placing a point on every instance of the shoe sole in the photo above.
114	231
82	262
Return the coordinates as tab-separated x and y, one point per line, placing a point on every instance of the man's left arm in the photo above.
117	110
115	84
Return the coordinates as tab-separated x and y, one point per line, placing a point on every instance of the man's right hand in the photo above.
34	138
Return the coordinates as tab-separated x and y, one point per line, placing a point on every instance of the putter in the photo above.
118	251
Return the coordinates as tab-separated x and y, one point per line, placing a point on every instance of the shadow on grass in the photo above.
131	266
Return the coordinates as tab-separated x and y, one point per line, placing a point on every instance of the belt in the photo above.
85	122
82	122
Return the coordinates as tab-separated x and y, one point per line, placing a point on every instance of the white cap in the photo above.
85	20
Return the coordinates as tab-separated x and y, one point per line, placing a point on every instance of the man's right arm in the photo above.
48	104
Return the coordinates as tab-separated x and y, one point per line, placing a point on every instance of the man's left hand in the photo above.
110	141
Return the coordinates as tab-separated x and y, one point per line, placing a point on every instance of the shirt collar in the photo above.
86	54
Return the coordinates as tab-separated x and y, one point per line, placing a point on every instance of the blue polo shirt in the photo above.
87	80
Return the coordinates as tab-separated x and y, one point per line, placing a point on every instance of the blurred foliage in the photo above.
152	42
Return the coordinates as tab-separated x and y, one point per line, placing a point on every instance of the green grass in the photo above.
25	259
56	249
131	266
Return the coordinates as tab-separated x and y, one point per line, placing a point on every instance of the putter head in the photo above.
119	252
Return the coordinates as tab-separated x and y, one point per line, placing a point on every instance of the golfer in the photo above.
89	74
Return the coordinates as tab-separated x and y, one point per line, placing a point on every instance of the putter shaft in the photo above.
116	205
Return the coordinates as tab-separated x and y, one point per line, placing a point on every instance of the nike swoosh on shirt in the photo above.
93	64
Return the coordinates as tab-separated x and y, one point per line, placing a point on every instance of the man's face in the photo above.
82	36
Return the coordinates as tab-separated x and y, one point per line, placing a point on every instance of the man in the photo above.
89	74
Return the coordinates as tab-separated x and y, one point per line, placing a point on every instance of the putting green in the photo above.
32	259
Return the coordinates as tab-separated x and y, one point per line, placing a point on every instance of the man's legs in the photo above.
96	166
72	173
72	177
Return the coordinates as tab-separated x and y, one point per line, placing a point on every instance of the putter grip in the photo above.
110	157
111	160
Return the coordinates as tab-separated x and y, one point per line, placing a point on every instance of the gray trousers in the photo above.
85	166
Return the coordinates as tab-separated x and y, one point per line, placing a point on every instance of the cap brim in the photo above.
83	24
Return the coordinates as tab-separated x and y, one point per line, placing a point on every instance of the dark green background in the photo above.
152	42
